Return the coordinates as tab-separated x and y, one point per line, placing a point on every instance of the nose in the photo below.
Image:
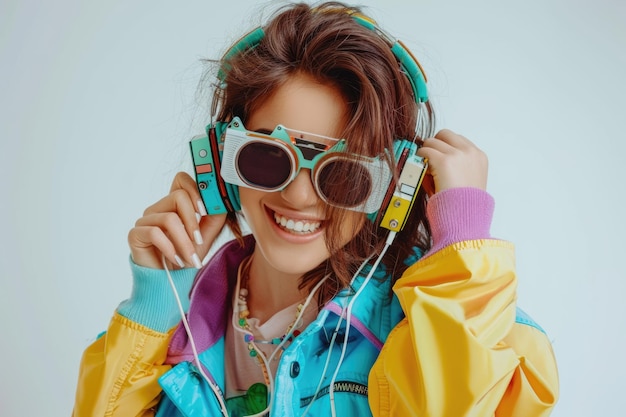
300	192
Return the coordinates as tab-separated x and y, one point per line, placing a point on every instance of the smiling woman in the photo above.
306	105
99	101
332	305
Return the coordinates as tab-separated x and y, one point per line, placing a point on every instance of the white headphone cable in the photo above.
348	310
216	390
332	342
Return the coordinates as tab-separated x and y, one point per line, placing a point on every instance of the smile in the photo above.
296	226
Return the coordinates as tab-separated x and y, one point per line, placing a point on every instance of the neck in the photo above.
269	290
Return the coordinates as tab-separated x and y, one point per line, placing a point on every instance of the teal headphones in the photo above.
220	196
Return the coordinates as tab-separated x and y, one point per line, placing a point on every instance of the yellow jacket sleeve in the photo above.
119	372
459	351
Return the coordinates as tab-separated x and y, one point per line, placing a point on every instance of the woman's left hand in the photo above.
454	161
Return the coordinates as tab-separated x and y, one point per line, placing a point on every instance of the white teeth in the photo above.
298	226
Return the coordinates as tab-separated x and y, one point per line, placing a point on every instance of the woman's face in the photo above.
288	225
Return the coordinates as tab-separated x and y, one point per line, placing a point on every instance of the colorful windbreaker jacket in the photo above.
450	341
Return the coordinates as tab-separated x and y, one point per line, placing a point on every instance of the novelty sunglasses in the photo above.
270	162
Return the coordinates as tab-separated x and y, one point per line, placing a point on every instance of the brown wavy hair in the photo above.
326	43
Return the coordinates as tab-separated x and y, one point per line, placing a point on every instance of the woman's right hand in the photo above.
177	227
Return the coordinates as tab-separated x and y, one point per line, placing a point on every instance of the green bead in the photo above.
242	322
253	353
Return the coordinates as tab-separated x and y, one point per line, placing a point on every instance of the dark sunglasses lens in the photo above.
344	183
264	165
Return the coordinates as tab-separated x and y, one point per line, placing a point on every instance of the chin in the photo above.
294	259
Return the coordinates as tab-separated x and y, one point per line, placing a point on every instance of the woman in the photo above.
322	309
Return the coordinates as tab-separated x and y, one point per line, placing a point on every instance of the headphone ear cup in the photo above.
232	190
206	152
228	192
402	149
398	147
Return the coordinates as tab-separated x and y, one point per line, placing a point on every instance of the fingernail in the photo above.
201	208
197	237
198	217
196	261
179	261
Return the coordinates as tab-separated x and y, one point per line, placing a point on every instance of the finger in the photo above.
147	244
434	151
179	202
461	147
172	227
182	181
454	140
210	227
437	146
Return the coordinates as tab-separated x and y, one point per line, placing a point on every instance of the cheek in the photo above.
251	207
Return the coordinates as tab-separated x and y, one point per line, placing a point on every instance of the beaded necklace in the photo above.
249	337
242	325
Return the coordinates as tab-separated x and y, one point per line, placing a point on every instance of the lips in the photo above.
298	226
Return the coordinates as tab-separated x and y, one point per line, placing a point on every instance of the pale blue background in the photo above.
97	102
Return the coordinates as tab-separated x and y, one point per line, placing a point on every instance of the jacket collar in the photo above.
210	301
376	310
374	314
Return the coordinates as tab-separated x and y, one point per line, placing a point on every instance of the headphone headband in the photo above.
410	66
